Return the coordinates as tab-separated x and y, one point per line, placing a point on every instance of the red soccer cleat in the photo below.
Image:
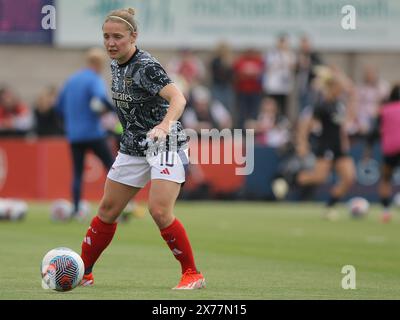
87	280
191	280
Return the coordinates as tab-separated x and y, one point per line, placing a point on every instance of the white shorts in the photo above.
137	171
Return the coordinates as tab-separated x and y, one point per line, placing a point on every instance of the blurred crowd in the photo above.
265	91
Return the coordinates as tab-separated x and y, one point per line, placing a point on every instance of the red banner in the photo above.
42	169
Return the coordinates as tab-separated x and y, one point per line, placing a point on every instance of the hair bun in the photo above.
131	11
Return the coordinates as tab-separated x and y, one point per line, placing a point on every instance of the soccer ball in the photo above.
358	207
61	210
62	269
280	188
19	210
11	209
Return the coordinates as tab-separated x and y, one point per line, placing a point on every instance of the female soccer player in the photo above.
386	128
148	105
332	143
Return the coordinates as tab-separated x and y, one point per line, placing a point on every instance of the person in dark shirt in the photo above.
331	144
47	121
153	147
222	76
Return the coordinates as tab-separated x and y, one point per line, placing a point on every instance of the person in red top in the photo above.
248	71
15	116
188	66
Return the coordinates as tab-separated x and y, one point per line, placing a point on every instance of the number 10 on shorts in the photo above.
167	158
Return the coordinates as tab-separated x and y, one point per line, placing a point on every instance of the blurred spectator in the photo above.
47	121
188	66
81	103
370	93
222	76
271	128
278	77
306	60
15	116
248	70
204	112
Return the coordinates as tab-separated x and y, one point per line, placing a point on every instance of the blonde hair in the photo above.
95	55
123	15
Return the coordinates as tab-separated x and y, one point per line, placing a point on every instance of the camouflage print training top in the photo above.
135	88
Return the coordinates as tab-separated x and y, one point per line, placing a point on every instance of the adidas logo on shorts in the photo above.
165	171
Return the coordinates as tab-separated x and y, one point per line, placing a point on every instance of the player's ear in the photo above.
133	37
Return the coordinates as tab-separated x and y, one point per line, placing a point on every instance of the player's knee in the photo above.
156	210
159	213
107	211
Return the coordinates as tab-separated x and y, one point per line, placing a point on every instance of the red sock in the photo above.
178	241
98	237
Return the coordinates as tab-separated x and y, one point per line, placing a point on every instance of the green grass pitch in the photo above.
246	250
